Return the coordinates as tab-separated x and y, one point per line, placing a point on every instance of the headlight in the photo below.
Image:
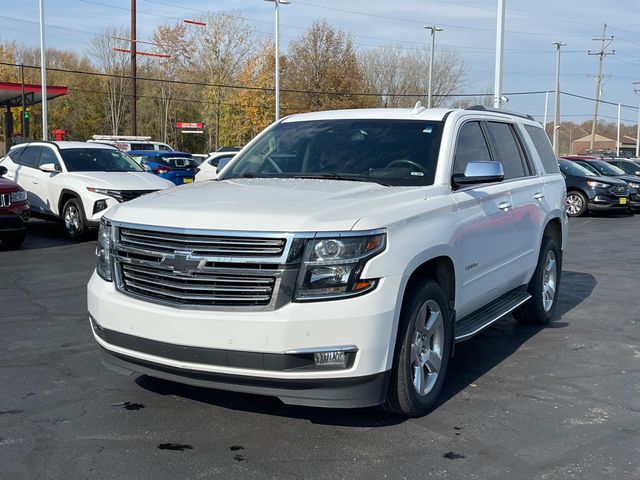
19	196
634	185
103	250
594	184
331	267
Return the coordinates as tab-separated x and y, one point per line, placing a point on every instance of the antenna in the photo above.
418	108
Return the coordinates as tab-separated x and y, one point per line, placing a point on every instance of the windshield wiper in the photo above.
335	176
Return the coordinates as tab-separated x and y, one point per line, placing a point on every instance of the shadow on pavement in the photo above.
472	360
47	234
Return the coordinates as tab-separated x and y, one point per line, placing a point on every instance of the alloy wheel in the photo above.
574	204
549	278
427	347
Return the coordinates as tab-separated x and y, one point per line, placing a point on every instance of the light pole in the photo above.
433	29
277	34
636	90
43	75
497	89
556	119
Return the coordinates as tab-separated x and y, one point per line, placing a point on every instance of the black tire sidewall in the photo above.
403	397
83	222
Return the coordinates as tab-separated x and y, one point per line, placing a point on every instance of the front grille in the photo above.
126	195
202	245
203	270
619	190
205	289
5	199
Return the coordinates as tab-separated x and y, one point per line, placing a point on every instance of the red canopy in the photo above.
11	93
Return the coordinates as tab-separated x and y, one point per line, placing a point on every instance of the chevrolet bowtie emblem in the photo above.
183	263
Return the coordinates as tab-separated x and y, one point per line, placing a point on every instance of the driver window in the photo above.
48	156
471	146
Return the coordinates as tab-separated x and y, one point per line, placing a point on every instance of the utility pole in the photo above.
546	107
497	89
134	71
636	90
556	118
277	47
43	75
618	138
605	42
433	29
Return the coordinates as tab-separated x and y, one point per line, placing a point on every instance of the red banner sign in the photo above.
189	125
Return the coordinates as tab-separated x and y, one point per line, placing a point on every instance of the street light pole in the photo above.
433	29
497	90
277	45
43	75
556	119
636	90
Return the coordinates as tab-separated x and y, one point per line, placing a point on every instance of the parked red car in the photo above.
14	212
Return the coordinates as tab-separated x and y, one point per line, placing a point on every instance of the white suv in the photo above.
338	258
77	181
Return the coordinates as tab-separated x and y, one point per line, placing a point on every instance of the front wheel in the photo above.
75	225
422	351
576	204
543	287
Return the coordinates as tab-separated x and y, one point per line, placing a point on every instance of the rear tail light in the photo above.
161	170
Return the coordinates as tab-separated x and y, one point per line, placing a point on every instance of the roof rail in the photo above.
497	110
123	138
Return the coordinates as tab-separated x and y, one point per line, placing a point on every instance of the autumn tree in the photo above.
322	71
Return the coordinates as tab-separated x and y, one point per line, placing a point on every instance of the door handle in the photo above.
36	182
539	196
504	206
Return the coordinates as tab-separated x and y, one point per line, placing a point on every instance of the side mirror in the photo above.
479	172
222	163
3	170
50	168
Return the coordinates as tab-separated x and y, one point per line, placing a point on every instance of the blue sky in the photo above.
469	28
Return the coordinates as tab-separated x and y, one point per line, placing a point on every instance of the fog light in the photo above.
99	206
330	359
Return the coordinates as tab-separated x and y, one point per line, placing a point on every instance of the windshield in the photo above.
589	167
390	152
571	168
98	160
605	168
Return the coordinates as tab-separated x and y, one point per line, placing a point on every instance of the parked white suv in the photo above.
209	168
77	182
338	258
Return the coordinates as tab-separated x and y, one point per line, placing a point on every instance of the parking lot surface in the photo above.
561	401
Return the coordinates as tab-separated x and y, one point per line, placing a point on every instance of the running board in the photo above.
477	321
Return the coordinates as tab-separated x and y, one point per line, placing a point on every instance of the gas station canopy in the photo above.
11	94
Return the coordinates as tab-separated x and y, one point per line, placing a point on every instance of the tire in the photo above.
417	378
73	219
543	287
14	240
576	204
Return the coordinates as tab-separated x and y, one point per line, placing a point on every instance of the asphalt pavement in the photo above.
559	402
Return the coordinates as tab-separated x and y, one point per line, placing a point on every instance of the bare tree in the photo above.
116	98
221	48
400	75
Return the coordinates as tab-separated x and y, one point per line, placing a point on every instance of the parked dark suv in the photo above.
630	167
603	168
590	191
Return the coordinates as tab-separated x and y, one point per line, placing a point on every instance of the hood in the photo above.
282	205
123	180
7	186
629	178
602	178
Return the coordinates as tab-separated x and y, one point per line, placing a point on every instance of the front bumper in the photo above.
15	220
244	351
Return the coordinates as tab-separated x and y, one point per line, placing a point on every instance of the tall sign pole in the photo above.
497	89
43	75
134	71
556	118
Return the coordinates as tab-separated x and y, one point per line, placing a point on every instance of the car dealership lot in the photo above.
520	401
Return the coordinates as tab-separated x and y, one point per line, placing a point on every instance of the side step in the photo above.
477	321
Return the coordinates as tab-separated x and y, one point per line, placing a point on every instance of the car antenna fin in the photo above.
418	108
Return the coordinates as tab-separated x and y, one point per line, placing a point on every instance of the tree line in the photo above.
223	75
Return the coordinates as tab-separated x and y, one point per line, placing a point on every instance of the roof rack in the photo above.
121	138
497	110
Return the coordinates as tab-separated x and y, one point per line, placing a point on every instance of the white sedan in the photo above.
208	170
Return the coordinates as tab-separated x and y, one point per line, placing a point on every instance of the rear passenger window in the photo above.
31	157
543	147
470	147
507	148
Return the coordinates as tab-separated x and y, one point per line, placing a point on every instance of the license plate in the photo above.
623	201
190	180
